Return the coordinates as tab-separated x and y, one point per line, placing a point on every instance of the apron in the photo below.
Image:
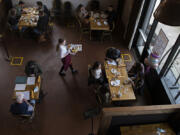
66	61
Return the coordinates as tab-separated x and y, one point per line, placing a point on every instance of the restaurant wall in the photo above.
103	3
128	5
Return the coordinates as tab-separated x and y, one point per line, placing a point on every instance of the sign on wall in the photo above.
160	43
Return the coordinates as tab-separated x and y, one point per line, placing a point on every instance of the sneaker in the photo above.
62	74
74	71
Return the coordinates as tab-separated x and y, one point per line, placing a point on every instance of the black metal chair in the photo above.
108	33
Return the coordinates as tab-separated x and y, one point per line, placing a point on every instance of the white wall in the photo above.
126	14
103	3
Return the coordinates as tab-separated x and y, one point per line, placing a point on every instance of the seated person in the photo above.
113	55
111	16
22	106
32	69
42	7
12	19
95	74
42	24
83	14
19	8
136	75
137	68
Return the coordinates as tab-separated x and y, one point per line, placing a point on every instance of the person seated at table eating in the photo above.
83	15
111	16
113	55
13	20
32	69
42	26
137	68
19	8
22	106
42	7
96	74
136	75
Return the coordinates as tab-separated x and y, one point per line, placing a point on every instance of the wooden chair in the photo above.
84	30
108	33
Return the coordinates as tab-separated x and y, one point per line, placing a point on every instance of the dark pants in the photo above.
66	63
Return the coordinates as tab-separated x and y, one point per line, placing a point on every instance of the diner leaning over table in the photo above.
65	55
22	106
136	74
19	9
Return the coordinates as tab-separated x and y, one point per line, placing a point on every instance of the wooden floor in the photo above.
61	112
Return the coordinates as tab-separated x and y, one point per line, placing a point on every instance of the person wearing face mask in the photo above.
65	55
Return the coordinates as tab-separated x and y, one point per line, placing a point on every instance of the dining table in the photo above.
98	22
29	17
147	129
118	80
30	87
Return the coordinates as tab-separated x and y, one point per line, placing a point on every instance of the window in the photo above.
144	30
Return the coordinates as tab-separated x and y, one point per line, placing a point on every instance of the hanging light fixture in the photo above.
168	12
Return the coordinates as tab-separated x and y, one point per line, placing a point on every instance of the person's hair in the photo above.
19	98
113	53
21	2
39	3
79	7
30	63
60	41
96	65
111	6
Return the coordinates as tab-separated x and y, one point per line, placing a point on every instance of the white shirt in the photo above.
97	73
63	51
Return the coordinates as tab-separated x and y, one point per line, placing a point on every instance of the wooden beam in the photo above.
139	110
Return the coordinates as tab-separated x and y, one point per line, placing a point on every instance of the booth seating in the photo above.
114	118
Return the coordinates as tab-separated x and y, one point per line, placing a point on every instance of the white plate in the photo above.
98	23
115	83
114	71
105	23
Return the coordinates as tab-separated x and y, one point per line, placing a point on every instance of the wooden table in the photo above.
94	25
33	95
29	19
148	129
126	90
